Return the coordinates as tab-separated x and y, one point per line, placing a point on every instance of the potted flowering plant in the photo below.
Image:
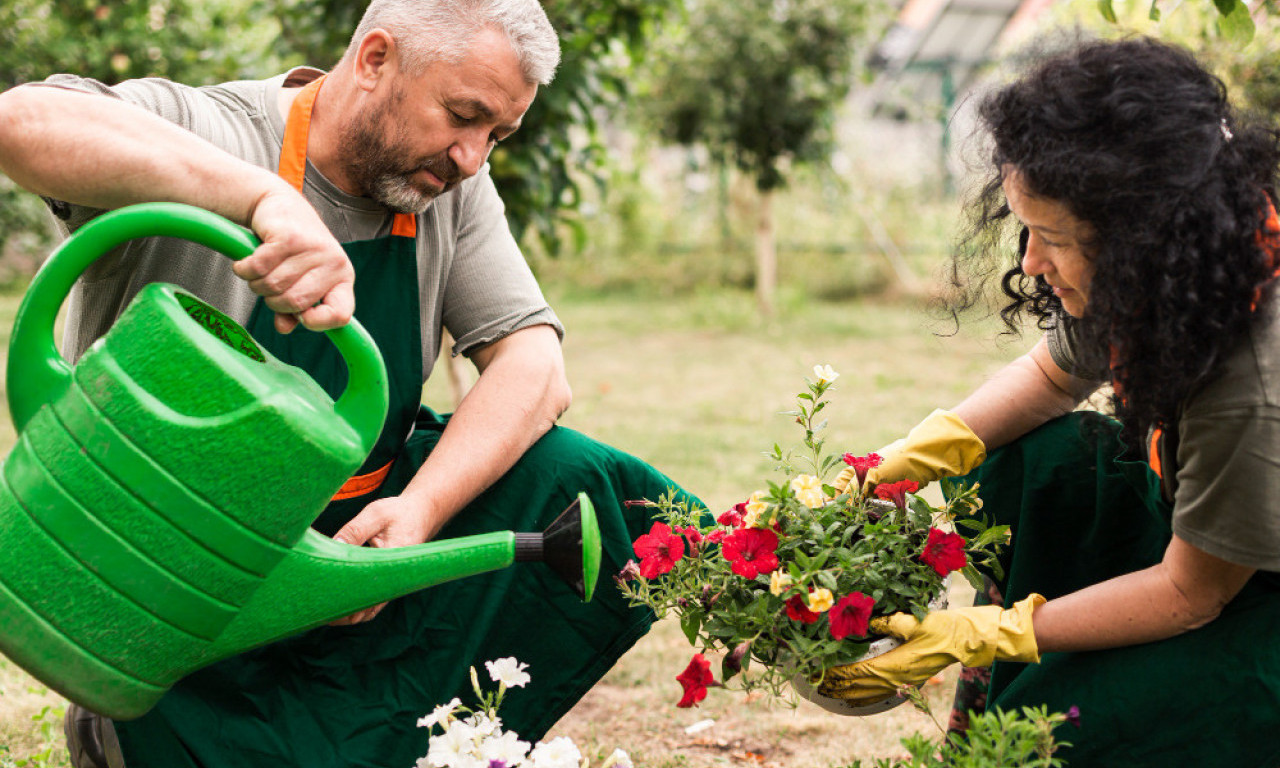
789	579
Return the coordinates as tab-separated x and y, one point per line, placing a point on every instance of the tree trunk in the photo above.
766	255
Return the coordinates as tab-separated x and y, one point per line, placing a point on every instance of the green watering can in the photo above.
139	544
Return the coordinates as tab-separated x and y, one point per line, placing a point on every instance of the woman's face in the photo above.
1057	245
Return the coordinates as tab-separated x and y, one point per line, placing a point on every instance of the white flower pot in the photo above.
885	644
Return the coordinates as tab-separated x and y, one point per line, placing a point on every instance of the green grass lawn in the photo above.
695	384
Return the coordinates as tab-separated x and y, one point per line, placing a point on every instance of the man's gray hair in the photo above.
427	31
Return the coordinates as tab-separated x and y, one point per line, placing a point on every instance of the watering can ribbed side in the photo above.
135	491
145	545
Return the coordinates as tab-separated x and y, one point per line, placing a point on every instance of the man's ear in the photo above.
376	58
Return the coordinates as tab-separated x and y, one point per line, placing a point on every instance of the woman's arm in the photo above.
1186	590
1021	396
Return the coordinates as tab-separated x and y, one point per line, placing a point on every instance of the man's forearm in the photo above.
517	399
99	152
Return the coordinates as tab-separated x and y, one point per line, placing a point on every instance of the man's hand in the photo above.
300	270
972	636
391	522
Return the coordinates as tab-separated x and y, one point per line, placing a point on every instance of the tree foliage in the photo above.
191	41
537	170
758	82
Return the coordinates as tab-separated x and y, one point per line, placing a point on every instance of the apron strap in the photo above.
293	169
293	153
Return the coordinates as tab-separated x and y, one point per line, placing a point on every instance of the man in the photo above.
369	190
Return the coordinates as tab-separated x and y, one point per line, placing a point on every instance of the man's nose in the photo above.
469	153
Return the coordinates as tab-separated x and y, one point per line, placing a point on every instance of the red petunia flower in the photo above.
850	615
695	678
733	517
693	535
716	536
861	464
897	492
752	551
798	610
944	552
658	550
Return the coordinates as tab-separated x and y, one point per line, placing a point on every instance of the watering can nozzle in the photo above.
570	546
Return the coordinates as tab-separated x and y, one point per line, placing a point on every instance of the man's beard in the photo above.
381	170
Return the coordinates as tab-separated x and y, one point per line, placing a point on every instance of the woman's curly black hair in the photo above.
1137	139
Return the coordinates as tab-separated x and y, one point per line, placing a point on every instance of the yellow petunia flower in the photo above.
821	600
808	490
779	581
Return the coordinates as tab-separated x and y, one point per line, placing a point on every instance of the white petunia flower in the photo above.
825	373
560	752
508	672
618	759
505	747
484	726
440	715
448	749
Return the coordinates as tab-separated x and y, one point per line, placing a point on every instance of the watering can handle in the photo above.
38	374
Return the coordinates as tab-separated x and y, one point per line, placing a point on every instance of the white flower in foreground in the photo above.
484	726
440	714
560	752
825	373
508	672
505	748
449	748
618	759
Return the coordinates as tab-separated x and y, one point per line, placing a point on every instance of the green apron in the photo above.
342	696
1080	514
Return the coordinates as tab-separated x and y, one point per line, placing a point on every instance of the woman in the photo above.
1147	243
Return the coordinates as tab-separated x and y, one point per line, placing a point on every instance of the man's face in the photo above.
430	131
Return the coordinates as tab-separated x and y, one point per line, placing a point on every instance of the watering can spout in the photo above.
323	579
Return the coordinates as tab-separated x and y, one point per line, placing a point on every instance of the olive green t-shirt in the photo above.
1227	463
473	279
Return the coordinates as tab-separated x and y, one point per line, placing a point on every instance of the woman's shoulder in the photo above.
1249	376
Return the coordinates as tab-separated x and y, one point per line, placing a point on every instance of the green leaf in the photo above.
1154	13
974	577
691	622
1236	24
1108	13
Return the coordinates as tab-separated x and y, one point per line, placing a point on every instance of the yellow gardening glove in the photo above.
940	446
972	636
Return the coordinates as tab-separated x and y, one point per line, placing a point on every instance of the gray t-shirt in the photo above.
473	280
1227	459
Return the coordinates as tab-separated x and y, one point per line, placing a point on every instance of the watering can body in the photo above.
155	512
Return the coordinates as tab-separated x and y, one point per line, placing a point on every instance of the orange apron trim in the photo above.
1269	242
1153	452
293	169
362	484
293	153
